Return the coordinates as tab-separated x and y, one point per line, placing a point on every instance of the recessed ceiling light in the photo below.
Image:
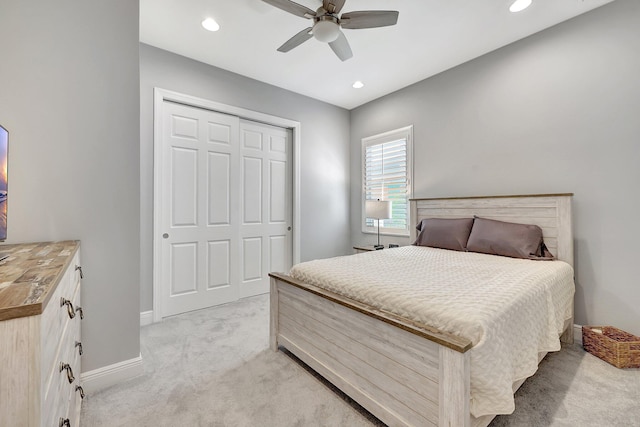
519	5
358	84
210	24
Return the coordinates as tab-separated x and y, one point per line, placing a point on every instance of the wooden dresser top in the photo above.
30	275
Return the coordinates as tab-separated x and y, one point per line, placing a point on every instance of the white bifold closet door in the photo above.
226	207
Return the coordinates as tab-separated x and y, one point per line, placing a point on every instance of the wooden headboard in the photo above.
551	212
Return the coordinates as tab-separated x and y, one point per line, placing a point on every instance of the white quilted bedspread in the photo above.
510	309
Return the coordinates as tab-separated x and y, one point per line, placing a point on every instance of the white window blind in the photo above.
386	176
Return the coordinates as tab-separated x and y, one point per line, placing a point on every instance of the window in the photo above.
387	175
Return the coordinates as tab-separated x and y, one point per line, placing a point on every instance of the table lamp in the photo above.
378	209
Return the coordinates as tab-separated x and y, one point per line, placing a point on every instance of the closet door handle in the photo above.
70	376
79	345
79	310
78	267
70	311
64	422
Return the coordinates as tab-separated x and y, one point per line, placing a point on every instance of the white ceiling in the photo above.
431	36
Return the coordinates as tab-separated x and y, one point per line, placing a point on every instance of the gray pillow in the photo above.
493	237
444	233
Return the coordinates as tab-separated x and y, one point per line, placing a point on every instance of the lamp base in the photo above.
378	247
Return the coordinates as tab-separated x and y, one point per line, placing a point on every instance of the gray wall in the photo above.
69	96
324	151
556	112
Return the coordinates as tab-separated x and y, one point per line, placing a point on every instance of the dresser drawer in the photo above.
56	316
76	344
73	400
58	389
72	396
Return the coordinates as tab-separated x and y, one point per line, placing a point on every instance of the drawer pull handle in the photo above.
79	310
63	302
81	390
64	422
79	345
70	376
78	267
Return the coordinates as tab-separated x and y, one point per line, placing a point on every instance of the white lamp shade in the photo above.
377	209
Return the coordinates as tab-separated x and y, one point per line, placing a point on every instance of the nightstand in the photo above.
364	248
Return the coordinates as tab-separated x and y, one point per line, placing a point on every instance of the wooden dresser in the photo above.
40	346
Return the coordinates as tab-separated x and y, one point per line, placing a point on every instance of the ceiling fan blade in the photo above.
296	40
340	47
368	19
333	6
293	8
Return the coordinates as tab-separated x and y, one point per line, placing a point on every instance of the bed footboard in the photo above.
404	374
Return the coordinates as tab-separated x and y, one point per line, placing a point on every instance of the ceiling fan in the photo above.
327	24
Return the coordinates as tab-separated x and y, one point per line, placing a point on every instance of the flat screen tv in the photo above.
4	142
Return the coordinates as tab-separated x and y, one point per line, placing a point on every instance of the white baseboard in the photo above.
104	377
577	334
146	318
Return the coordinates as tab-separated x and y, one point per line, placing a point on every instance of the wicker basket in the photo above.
612	345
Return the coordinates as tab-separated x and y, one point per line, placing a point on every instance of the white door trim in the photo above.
161	95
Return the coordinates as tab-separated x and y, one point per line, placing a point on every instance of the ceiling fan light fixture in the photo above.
210	24
326	30
327	24
519	5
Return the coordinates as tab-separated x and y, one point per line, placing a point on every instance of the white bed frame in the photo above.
404	373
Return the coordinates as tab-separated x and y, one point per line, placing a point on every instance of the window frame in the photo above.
405	133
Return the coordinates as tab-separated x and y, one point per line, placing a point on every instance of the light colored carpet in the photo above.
574	388
213	368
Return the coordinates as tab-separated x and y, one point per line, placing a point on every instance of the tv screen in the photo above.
4	142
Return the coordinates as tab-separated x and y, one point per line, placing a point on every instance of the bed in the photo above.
406	372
